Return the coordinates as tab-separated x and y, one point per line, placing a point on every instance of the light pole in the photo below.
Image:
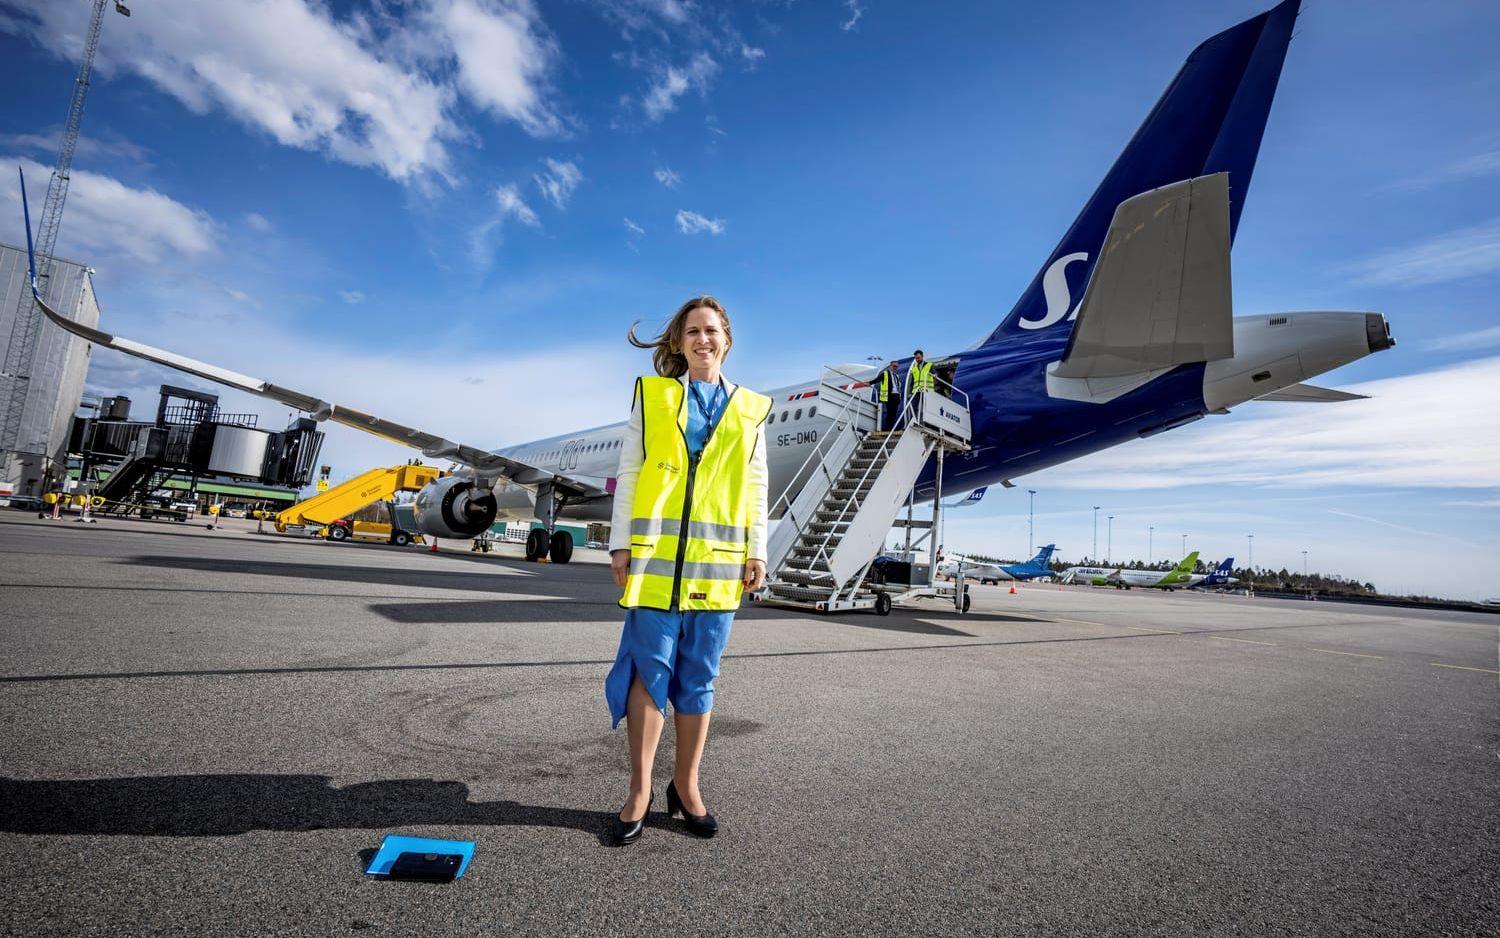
1030	521
1304	565
1184	545
1095	555
1250	559
1109	544
1150	552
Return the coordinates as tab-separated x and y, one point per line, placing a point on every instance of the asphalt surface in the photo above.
211	732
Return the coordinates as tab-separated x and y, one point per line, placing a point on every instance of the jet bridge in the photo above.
858	484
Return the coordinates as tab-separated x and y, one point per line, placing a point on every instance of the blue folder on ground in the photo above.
394	845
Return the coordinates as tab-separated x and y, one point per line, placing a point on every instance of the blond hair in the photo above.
666	348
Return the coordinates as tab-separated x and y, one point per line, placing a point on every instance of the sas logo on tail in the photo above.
1055	289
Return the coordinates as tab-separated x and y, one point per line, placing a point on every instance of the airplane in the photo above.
1219	577
1150	345
1036	567
1179	577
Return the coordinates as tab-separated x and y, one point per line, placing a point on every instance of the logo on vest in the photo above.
697	595
664	465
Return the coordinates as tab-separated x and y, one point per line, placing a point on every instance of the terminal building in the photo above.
41	377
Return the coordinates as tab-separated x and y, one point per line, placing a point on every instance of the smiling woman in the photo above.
687	539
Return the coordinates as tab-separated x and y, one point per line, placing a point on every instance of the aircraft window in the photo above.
812	412
783	416
771	419
798	414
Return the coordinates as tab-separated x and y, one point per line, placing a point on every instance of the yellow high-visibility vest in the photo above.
920	377
690	523
884	387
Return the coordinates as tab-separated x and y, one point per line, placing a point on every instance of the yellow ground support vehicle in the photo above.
332	512
345	529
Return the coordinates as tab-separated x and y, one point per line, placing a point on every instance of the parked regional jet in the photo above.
1179	577
981	570
1126	329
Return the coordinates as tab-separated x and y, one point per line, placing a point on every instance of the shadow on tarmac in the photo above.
224	805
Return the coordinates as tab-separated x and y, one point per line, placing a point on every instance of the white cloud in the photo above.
503	58
379	97
106	144
667	177
1470	167
634	229
1465	341
693	223
351	296
107	218
558	182
484	238
1436	429
240	295
1467	252
856	12
258	222
672	83
508	197
752	55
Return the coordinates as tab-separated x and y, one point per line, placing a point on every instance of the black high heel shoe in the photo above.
628	832
703	825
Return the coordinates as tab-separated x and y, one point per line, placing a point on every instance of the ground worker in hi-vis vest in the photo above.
888	394
918	381
688	537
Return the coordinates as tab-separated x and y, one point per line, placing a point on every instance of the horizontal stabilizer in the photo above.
1311	394
1160	294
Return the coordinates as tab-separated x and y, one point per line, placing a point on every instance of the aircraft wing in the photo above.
1159	295
431	445
1311	394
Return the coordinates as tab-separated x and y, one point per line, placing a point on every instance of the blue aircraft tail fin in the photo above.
1223	571
1043	556
1209	120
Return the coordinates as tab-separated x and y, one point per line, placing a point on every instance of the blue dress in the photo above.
675	653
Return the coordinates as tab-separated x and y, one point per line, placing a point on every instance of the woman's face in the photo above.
704	342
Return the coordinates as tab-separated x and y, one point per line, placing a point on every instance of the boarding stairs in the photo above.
849	492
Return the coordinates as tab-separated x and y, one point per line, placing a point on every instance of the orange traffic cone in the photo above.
433	549
1013	589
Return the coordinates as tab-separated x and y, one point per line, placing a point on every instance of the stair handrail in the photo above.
878	459
815	456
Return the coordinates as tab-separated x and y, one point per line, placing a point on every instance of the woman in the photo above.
688	537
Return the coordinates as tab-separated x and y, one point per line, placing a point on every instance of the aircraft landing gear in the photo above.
547	541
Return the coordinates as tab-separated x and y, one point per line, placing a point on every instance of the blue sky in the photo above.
448	211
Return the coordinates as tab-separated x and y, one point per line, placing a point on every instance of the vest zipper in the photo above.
687	497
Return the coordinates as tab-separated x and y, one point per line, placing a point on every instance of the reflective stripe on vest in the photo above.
885	386
921	376
690	521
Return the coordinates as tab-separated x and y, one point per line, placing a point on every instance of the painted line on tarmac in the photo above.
1246	641
1351	654
1141	628
1459	667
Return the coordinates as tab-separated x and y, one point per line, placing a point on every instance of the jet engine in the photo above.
453	507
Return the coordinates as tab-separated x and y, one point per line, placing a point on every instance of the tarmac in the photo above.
210	732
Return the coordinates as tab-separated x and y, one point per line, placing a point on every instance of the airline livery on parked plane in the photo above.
1150	345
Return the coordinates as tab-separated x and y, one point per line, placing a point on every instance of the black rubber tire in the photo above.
400	538
561	548
536	544
338	533
967	602
882	604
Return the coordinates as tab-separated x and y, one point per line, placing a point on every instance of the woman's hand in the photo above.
755	574
619	565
